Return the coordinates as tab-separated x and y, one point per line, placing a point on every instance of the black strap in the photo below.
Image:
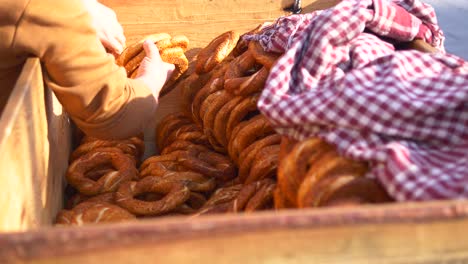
294	8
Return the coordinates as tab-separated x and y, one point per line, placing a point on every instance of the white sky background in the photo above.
453	19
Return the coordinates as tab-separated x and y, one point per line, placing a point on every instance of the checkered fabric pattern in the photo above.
406	112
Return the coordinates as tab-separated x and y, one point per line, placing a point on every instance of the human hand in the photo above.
108	28
153	71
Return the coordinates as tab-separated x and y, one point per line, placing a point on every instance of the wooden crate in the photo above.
35	140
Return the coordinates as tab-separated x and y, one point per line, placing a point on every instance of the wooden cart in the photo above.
35	141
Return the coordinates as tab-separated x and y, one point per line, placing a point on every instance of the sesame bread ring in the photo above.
221	200
176	56
176	134
164	46
189	88
294	165
211	87
183	145
241	112
280	201
246	86
134	147
263	198
220	121
267	59
124	171
92	213
242	44
171	157
160	168
359	190
210	164
175	194
180	41
196	137
329	164
255	128
133	50
247	192
254	196
79	198
192	205
209	111
247	156
239	70
196	182
216	51
167	126
265	164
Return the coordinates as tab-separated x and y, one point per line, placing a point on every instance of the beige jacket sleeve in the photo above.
96	93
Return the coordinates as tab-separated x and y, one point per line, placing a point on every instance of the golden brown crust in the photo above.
267	59
221	118
208	163
328	165
360	190
167	125
280	201
211	87
134	147
221	200
176	56
93	212
176	133
210	109
161	168
242	44
216	51
295	164
253	84
348	188
171	49
239	71
124	171
192	205
248	155
183	145
263	198
242	111
255	128
171	157
175	194
189	88
132	50
196	137
265	164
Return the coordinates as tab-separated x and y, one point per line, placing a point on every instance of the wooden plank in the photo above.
396	233
34	151
199	20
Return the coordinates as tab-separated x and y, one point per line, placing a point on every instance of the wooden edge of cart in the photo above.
35	141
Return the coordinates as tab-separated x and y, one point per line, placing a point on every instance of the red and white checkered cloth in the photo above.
406	112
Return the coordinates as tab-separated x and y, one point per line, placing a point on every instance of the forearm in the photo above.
92	88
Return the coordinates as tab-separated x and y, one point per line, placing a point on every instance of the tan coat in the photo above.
96	93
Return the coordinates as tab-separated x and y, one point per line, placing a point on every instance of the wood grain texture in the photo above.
395	233
200	20
34	151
